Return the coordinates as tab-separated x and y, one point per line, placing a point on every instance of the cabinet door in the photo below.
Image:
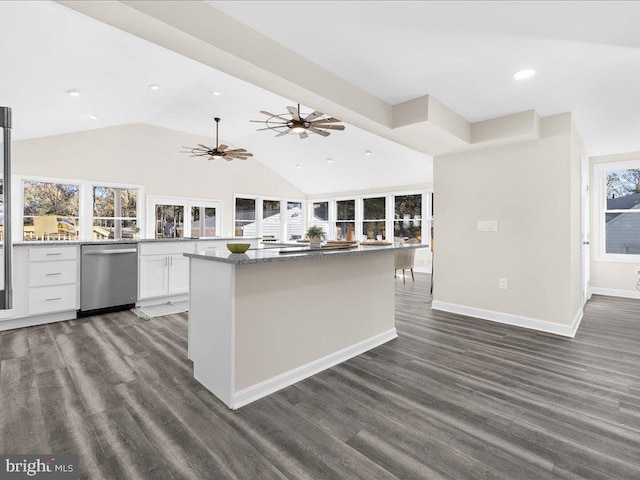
178	274
154	276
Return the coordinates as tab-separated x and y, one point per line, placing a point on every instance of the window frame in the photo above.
187	203
600	203
125	186
259	211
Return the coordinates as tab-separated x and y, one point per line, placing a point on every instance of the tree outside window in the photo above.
408	216
115	212
51	211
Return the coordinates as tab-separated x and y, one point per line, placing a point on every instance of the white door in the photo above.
178	274
586	272
154	276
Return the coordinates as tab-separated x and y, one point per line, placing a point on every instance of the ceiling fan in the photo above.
220	151
315	122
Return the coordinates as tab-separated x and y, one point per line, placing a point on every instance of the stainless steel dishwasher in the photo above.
109	277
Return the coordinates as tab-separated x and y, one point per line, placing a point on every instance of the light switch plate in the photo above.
487	225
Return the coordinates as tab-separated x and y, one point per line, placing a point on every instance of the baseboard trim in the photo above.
515	320
612	292
149	302
12	323
267	387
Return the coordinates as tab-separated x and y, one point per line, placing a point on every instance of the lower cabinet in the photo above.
164	274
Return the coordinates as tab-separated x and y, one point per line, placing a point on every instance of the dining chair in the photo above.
405	259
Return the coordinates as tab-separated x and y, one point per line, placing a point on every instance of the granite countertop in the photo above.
44	243
272	254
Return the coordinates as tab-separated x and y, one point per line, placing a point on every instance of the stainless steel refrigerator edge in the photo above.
109	277
6	293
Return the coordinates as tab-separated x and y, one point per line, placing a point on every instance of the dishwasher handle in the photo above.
111	252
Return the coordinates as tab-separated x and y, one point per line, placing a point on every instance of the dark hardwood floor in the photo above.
451	398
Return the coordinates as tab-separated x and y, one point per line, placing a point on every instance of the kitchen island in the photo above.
263	320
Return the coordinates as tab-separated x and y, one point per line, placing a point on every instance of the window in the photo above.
294	226
51	211
169	221
245	219
374	215
115	212
408	216
203	221
345	218
622	211
320	216
271	221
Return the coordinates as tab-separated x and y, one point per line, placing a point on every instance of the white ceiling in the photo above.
53	49
586	54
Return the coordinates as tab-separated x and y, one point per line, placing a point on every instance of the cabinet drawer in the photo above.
42	274
46	254
52	299
167	247
211	246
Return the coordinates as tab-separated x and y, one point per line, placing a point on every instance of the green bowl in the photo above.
238	247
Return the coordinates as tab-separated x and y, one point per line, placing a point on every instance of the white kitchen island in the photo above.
264	320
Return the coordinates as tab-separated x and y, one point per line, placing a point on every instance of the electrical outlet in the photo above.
487	225
502	283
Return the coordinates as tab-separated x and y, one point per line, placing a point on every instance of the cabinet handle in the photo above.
166	261
171	261
56	273
53	254
52	299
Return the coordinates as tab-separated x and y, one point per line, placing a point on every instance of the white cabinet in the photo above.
154	276
51	278
164	270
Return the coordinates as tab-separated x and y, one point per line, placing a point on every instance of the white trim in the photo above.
422	270
614	292
509	319
267	387
10	324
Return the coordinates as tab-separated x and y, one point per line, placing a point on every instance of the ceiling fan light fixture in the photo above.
299	124
298	127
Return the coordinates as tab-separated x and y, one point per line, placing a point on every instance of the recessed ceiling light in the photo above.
524	74
92	116
154	86
368	153
298	166
329	160
215	92
74	92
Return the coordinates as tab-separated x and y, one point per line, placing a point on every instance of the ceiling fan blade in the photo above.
328	120
205	147
319	132
294	113
303	135
283	122
261	129
222	148
274	115
313	116
235	152
329	126
284	133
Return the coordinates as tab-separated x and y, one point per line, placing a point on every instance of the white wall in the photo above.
150	156
530	190
608	277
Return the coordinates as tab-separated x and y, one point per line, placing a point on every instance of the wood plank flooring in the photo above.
451	398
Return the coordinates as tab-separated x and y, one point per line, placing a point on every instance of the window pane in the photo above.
623	233
245	218
346	210
50	211
407	229
109	228
321	216
374	208
210	222
371	230
623	189
294	221
408	207
342	229
114	202
169	221
271	218
200	227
